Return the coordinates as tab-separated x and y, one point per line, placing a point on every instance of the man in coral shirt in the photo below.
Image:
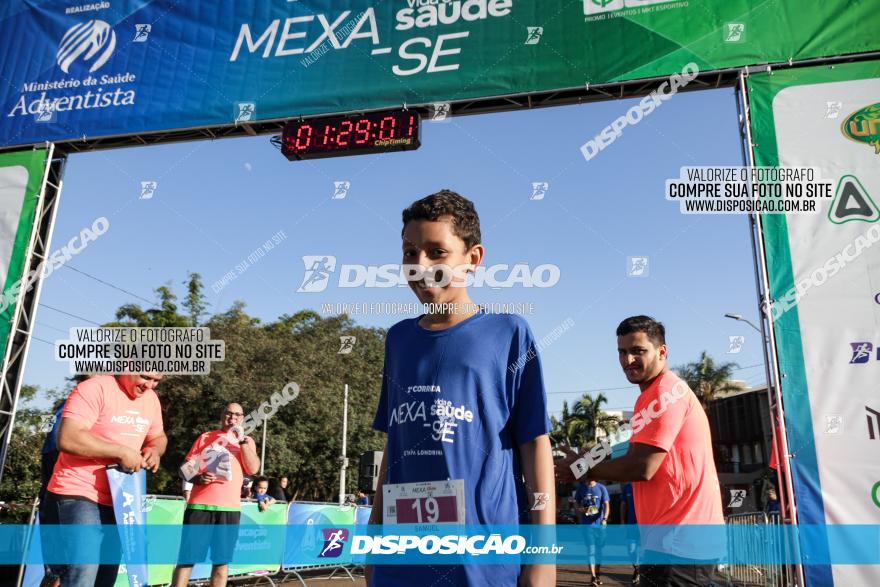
221	458
107	420
669	462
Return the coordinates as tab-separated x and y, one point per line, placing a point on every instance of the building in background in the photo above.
742	441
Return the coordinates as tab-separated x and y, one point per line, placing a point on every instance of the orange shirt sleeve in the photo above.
84	403
661	416
196	448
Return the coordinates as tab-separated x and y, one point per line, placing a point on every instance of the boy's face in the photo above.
435	244
262	487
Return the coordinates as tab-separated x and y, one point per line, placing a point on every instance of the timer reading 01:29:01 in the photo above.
376	132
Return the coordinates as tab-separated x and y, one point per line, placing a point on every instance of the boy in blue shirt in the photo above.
594	506
463	405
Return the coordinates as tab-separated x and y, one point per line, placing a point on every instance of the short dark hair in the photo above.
653	329
465	220
260	480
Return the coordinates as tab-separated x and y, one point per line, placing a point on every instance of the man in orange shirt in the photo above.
107	420
669	462
213	510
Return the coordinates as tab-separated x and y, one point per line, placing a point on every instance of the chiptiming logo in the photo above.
86	47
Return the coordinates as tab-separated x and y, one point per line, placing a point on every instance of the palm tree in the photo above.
708	380
558	433
587	419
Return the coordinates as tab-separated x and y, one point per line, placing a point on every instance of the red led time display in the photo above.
376	132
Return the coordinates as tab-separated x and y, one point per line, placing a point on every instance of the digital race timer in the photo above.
376	132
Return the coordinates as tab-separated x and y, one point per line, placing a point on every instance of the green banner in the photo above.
824	278
21	177
97	72
275	514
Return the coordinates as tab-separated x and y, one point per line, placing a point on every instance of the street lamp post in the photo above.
741	319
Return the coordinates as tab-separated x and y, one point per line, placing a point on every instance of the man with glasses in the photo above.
221	458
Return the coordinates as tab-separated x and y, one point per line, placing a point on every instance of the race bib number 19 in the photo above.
429	502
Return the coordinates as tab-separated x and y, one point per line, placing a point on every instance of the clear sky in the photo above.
218	201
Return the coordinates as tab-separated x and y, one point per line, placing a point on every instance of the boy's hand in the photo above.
562	467
538	576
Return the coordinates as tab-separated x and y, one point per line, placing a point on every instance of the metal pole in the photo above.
774	390
343	462
263	448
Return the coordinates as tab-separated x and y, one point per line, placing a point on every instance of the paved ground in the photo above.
612	576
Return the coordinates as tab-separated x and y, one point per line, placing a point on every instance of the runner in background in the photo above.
594	505
213	512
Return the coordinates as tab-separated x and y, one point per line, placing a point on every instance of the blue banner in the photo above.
320	544
79	68
361	520
318	534
129	491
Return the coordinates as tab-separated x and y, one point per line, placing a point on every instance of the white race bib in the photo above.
428	502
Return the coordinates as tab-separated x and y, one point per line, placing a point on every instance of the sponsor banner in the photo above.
262	536
260	532
307	544
129	491
21	178
845	544
361	520
824	273
74	69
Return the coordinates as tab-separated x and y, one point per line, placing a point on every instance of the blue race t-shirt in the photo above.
593	498
457	404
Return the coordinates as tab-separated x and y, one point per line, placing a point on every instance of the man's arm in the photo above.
640	463
153	450
537	463
75	438
606	509
250	460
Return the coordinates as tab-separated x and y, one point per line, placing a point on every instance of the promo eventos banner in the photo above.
74	69
21	178
825	282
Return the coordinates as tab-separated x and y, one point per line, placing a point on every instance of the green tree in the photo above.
303	437
21	471
195	303
581	427
707	380
558	432
164	315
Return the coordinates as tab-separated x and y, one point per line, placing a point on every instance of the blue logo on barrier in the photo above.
334	542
